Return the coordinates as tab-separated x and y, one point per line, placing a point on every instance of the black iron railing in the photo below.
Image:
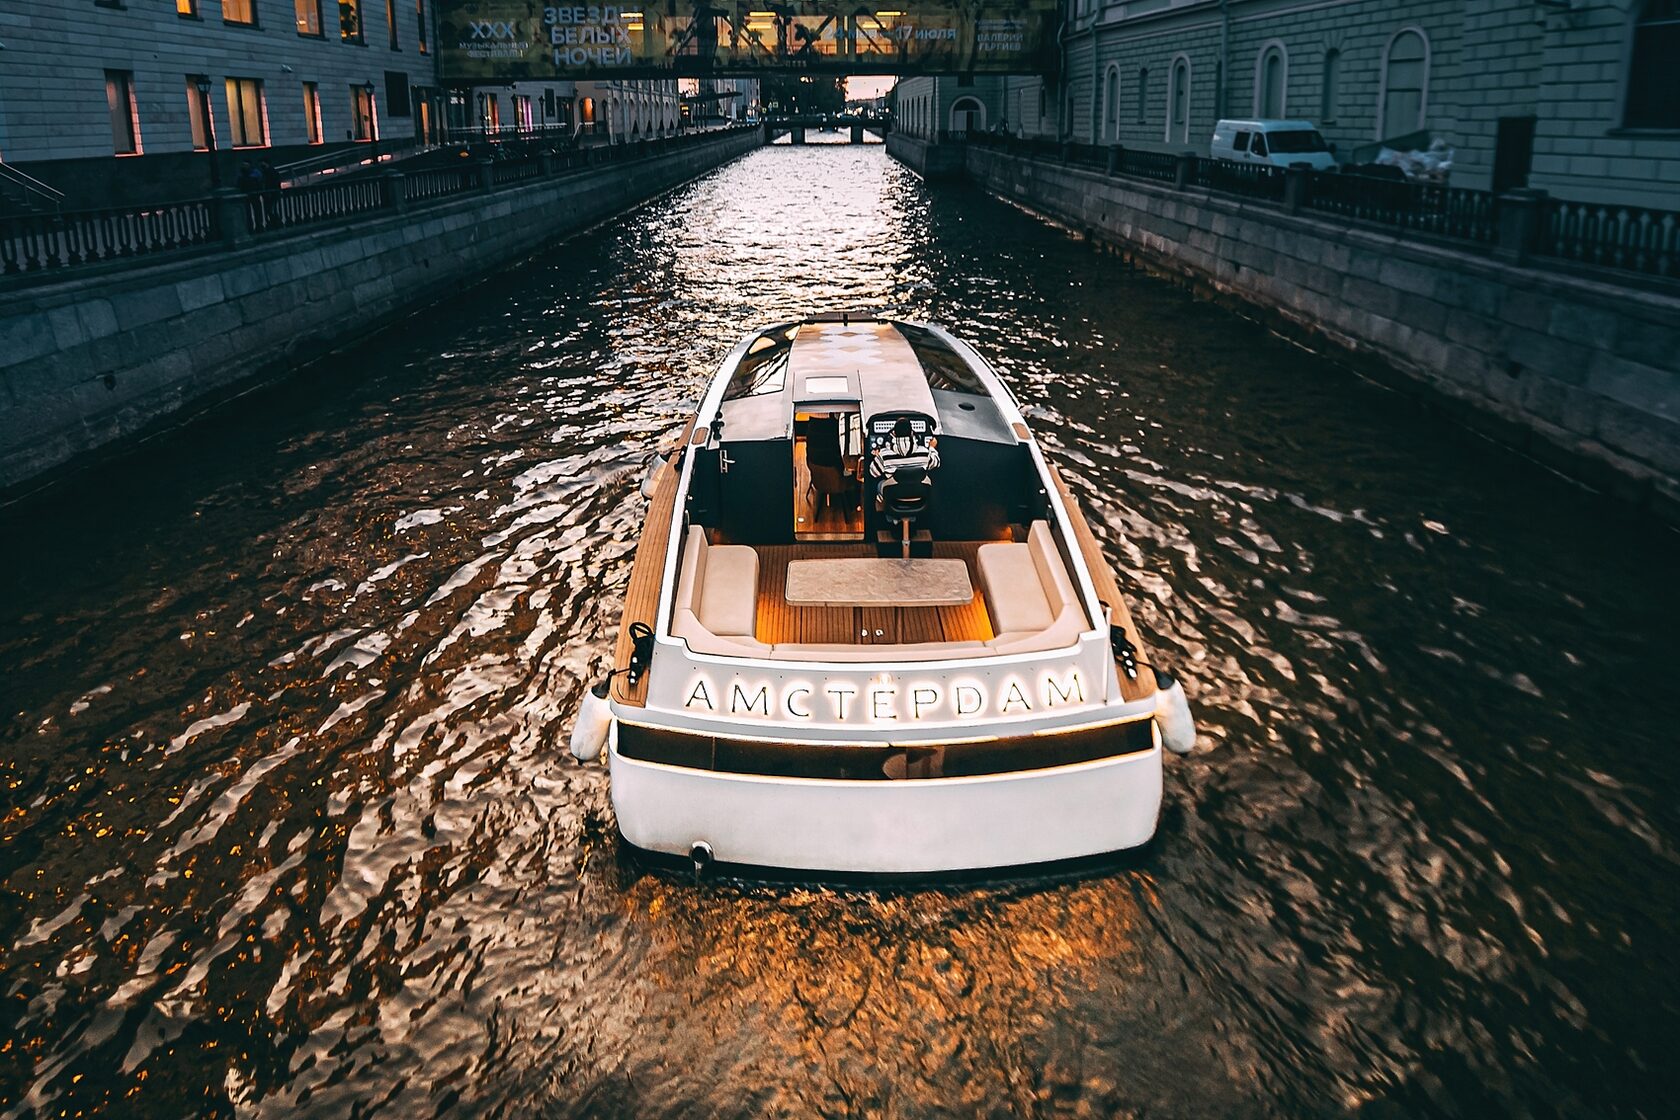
1251	180
46	243
1443	211
42	242
1627	238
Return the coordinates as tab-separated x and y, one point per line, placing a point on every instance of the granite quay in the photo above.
126	320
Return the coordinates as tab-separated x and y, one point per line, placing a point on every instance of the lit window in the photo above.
350	20
308	17
420	16
246	119
363	115
186	8
391	20
239	11
125	118
1653	93
312	113
198	115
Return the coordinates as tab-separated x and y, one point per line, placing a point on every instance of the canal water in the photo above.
288	827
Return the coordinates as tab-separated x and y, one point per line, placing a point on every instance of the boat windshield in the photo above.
943	367
1297	140
763	368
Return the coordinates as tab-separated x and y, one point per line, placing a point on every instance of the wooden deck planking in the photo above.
647	572
778	622
970	623
1108	590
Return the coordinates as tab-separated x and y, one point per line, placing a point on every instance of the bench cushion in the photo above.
729	590
701	640
1014	594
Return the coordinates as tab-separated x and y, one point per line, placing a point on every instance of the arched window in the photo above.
1143	95
1271	80
1111	104
1653	92
1405	85
1331	92
1178	98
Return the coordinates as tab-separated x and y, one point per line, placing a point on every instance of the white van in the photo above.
1278	143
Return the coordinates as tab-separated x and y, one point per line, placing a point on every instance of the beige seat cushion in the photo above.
1053	576
717	598
701	640
1060	634
729	592
1014	595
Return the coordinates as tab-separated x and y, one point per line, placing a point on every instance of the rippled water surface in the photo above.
290	830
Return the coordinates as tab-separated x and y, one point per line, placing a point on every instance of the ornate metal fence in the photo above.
1635	238
441	182
37	242
516	170
1159	166
1251	180
1443	211
325	202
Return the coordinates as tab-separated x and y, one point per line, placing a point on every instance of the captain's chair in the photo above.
904	497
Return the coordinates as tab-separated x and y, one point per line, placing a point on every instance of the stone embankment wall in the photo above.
1580	371
111	354
930	161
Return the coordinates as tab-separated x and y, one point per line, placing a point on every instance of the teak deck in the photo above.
1108	591
647	572
779	622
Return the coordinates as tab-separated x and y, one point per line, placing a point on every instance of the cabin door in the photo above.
828	483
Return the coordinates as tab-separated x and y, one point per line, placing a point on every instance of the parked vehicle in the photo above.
1272	142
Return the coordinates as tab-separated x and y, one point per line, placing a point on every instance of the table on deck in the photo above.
868	581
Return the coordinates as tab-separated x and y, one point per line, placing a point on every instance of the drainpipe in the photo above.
1224	60
1091	31
1062	123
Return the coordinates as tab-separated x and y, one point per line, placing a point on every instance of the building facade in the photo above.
1577	97
121	100
129	101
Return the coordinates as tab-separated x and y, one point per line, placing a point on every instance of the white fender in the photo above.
1172	715
594	720
650	472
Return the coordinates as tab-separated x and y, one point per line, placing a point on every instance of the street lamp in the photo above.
202	83
373	120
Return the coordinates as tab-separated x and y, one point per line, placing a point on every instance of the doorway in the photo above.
967	115
1513	153
828	488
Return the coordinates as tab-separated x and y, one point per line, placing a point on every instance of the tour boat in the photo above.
868	630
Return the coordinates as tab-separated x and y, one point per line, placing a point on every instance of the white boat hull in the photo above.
927	826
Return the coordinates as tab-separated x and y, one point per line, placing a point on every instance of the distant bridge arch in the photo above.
797	126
